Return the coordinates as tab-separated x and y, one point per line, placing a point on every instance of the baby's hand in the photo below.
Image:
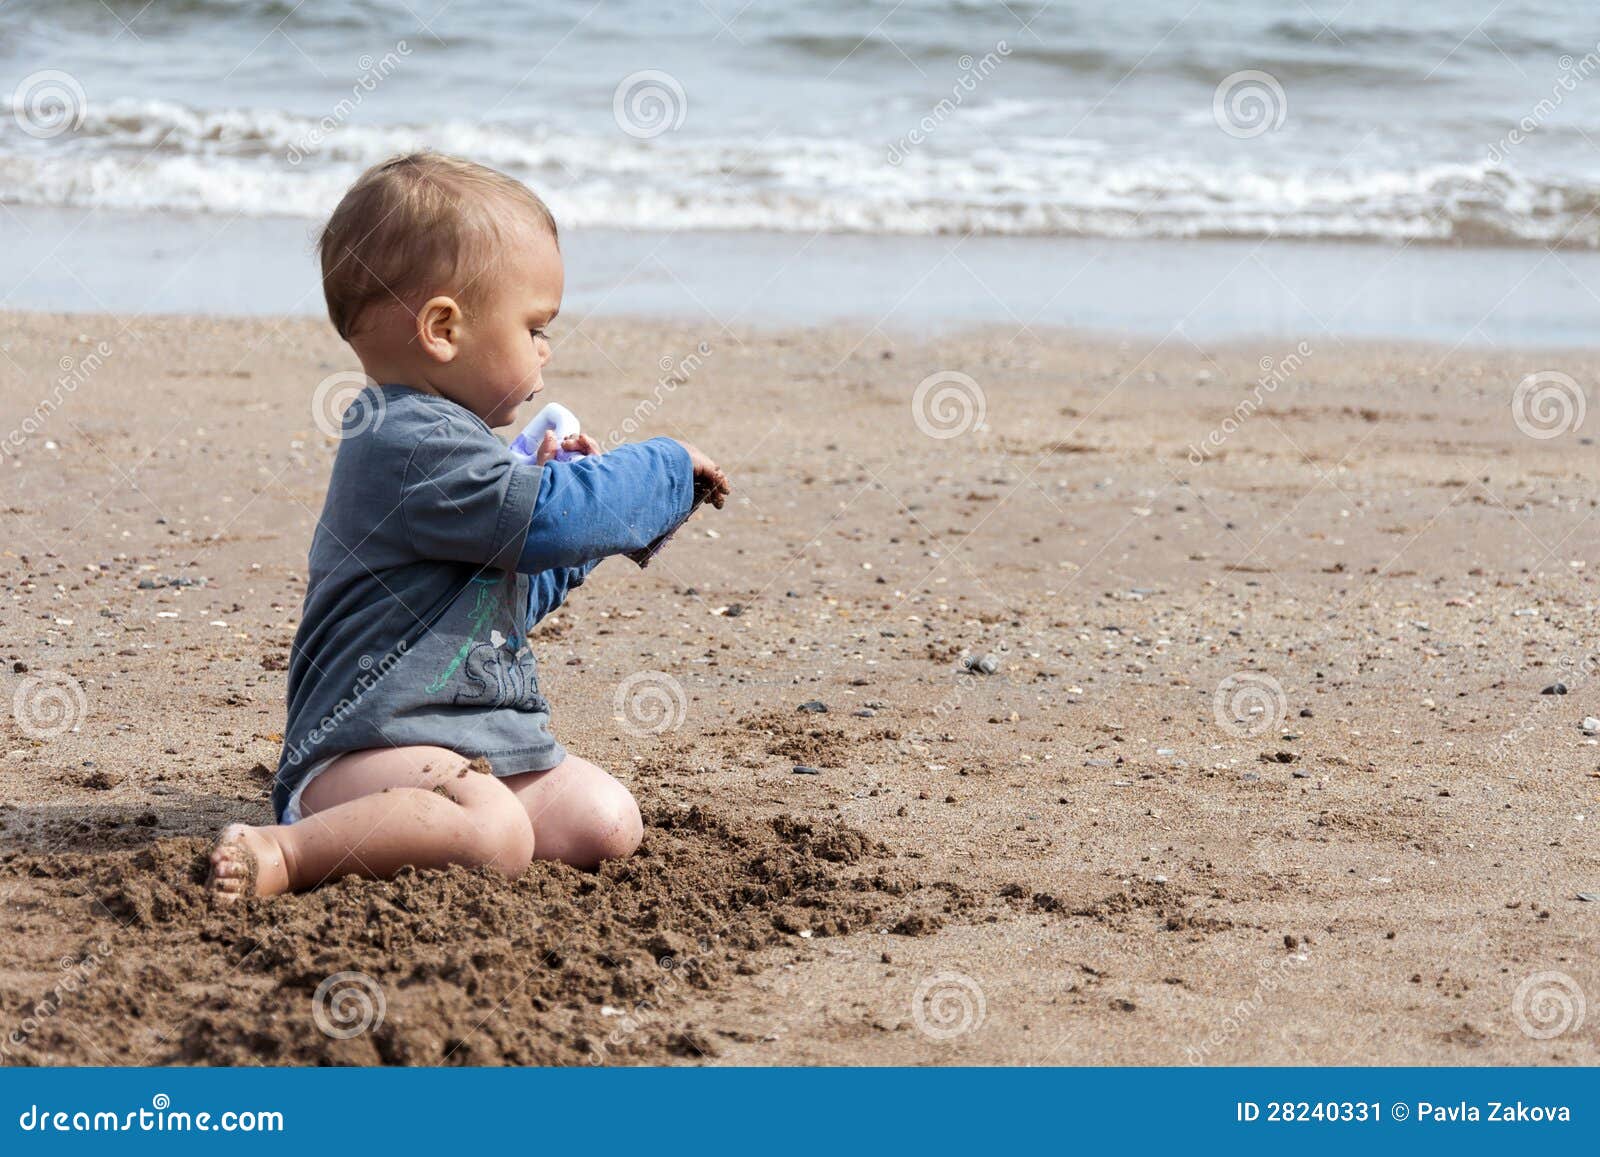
575	444
710	483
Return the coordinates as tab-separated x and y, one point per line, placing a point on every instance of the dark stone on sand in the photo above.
981	664
803	769
864	713
814	707
918	924
1305	713
1555	689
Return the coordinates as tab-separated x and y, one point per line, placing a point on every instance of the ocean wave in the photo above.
1439	40
135	156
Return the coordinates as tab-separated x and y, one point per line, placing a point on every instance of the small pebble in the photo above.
803	769
814	707
1555	689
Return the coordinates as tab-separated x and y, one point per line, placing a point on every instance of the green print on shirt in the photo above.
482	612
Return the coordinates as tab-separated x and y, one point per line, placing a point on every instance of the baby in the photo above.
416	732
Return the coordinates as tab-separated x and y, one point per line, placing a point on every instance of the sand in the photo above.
1138	747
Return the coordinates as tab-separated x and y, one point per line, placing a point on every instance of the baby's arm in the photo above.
548	589
621	502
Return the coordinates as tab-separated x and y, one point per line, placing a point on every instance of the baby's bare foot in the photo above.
246	861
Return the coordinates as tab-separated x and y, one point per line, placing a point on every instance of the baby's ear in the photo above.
439	328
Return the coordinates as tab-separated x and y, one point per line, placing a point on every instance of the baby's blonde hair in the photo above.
423	223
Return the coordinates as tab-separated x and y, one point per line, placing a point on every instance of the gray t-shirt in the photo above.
415	618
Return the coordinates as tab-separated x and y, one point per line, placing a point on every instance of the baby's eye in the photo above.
540	333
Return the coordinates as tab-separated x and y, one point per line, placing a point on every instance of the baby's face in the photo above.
503	347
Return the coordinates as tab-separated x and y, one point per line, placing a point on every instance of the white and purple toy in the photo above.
555	417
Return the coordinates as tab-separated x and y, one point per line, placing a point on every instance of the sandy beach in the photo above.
1157	704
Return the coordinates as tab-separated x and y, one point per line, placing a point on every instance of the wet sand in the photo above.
1170	717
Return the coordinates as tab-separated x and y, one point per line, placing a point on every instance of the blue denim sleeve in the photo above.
548	589
619	502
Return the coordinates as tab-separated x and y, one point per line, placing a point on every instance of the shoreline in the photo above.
1203	290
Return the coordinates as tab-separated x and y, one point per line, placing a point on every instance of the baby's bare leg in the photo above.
370	814
580	815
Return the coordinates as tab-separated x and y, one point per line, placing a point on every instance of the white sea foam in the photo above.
157	155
